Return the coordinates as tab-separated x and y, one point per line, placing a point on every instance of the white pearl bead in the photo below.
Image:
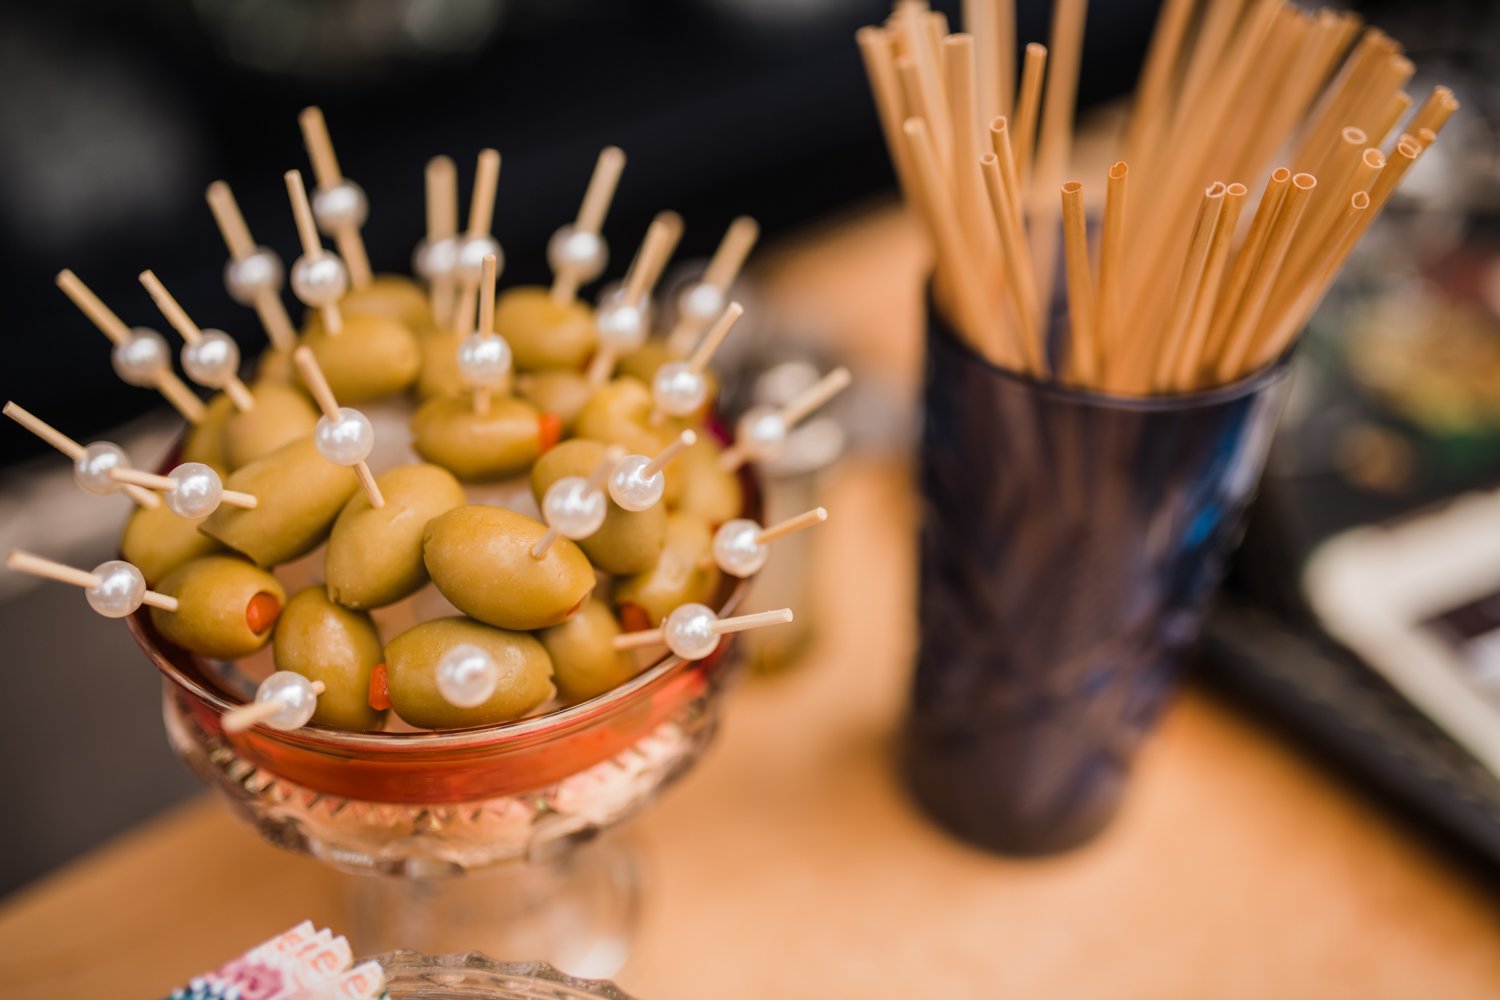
736	550
121	588
689	631
246	279
678	390
196	490
761	433
319	279
435	259
341	206
612	293
91	471
631	488
295	695
467	675
622	328
572	507
472	250
701	302
213	360
484	360
141	359
346	441
580	251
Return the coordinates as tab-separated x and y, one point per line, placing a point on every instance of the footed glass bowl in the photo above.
413	976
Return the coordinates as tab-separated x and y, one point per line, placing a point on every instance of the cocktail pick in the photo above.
761	433
638	481
577	252
91	463
436	258
621	322
742	546
478	242
285	700
701	302
693	630
574	507
319	278
339	204
192	490
679	388
210	357
484	357
140	356
115	589
254	274
343	435
467	675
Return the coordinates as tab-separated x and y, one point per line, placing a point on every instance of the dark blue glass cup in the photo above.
1070	542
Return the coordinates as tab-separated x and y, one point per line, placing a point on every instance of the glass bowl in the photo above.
414	976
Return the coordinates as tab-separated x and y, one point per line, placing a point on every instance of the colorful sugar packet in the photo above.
298	964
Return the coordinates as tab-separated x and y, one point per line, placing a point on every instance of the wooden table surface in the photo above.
790	863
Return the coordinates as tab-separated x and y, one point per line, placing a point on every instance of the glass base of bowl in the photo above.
413	976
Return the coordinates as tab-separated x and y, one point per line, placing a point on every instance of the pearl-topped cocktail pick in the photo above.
467	675
339	204
91	463
344	435
577	252
254	274
192	490
574	507
742	546
436	257
319	277
140	356
484	357
761	432
621	322
285	701
701	302
679	388
210	357
478	241
639	481
115	589
693	631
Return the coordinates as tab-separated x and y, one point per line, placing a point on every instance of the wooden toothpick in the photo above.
232	226
312	246
792	525
481	223
722	271
237	391
591	213
70	448
243	717
152	481
317	384
326	170
25	562
442	224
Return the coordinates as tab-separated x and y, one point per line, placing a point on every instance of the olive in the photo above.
205	440
556	391
480	559
371	357
375	555
627	541
542	333
411	660
480	447
584	660
276	366
620	413
298	494
684	574
325	642
697	485
439	375
389	296
642	364
282	414
157	541
225	607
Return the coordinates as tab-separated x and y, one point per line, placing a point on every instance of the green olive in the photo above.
627	541
205	440
584	660
439	376
157	541
697	485
371	357
276	366
282	414
480	558
685	573
225	607
477	447
298	493
324	642
541	333
389	296
620	413
411	662
556	391
375	555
